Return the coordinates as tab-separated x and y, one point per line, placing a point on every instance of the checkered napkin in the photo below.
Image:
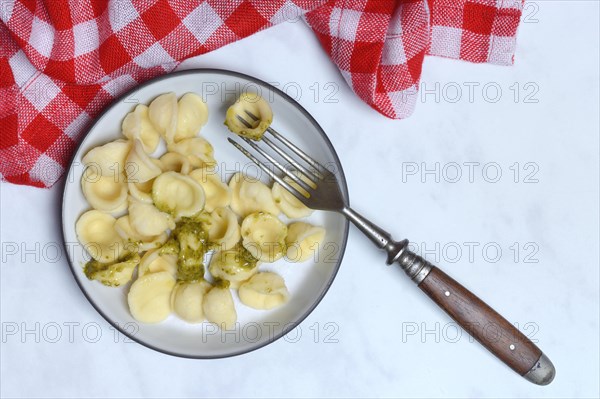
61	62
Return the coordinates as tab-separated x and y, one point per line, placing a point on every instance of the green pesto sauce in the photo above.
171	247
109	273
245	258
191	234
204	219
221	283
161	206
92	267
193	245
133	246
188	269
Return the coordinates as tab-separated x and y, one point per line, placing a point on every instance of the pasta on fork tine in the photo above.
255	103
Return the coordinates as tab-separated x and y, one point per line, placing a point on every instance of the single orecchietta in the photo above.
263	235
255	110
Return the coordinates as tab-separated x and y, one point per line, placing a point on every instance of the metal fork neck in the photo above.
413	265
380	237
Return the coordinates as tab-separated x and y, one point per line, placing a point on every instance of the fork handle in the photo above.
486	325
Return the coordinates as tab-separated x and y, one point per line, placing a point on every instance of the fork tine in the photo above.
312	176
279	180
282	168
245	122
251	115
297	150
291	146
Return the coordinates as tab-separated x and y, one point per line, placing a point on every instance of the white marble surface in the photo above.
391	341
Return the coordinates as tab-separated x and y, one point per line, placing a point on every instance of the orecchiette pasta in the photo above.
177	209
163	115
129	235
193	114
263	235
175	162
250	195
149	297
108	159
147	220
223	228
235	266
187	299
219	308
96	232
137	125
287	202
218	194
140	167
178	195
255	104
264	290
105	193
153	262
303	240
141	191
199	151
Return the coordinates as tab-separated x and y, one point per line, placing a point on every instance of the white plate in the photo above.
307	282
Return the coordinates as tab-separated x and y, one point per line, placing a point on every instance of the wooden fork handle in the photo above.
488	327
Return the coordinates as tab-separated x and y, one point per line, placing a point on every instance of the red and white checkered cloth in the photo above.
62	62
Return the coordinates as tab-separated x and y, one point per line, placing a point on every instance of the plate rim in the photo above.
305	113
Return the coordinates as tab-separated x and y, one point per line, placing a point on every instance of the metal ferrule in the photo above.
415	266
542	372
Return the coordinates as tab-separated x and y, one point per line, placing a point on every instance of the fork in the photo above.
322	192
